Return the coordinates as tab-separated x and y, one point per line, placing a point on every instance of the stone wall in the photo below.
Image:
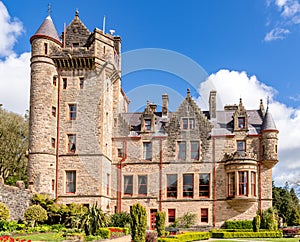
16	198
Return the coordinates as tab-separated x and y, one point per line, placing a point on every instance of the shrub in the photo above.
186	221
238	224
151	236
35	213
269	220
4	212
120	219
265	234
256	223
104	233
138	222
187	236
160	223
290	232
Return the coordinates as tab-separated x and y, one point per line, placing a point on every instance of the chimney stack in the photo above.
212	104
165	104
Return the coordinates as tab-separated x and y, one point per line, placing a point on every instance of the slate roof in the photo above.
268	122
47	29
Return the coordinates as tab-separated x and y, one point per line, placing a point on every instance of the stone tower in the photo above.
75	100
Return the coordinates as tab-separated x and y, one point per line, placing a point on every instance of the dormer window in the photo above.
241	122
188	123
148	124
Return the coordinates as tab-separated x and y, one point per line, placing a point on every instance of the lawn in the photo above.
55	237
257	239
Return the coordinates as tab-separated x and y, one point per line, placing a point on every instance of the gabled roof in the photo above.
268	122
48	30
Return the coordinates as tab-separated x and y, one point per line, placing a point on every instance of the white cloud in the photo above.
9	31
276	33
233	85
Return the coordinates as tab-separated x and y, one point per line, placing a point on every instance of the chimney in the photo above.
165	104
212	104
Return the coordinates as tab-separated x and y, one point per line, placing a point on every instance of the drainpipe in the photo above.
259	174
120	165
57	131
160	176
215	188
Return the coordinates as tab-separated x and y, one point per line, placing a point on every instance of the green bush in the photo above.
186	221
256	223
4	212
104	233
269	220
187	236
238	224
138	222
265	234
120	219
35	213
160	223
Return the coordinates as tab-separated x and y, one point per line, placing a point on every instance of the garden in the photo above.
45	220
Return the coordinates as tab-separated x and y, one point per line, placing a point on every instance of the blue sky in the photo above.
248	49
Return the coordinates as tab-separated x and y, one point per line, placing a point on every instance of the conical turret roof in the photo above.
268	122
48	30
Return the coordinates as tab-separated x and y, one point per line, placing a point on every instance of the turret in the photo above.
269	141
43	104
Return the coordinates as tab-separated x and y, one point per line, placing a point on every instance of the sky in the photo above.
246	49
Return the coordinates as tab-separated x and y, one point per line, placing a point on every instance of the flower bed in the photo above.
6	238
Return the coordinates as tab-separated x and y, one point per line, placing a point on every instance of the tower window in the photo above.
81	82
241	147
107	183
52	142
243	183
120	152
231	181
75	45
71	143
54	111
54	81
65	83
241	122
46	48
147	150
253	183
72	111
70	181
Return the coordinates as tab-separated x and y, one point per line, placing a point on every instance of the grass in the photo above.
258	239
54	237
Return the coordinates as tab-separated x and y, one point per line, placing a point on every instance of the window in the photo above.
147	124
71	143
188	123
52	142
46	48
171	215
195	150
243	183
53	184
204	215
72	111
142	185
253	183
128	185
75	45
231	182
181	150
120	152
107	183
70	181
54	111
204	185
241	122
147	150
54	81
188	185
81	82
65	83
172	185
241	147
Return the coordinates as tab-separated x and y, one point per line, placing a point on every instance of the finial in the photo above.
76	12
49	9
188	92
268	101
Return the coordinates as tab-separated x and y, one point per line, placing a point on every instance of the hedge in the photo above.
238	224
265	234
188	236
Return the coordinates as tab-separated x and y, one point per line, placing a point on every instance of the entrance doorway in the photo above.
153	219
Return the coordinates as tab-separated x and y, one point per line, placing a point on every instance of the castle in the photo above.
85	147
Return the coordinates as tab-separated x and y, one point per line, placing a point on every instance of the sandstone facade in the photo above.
85	146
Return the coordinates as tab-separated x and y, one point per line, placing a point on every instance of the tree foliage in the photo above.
160	223
13	146
4	212
138	222
35	213
286	202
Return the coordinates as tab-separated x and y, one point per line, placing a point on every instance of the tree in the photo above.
160	223
35	213
13	146
138	222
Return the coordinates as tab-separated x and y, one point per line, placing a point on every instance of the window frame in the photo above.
181	153
70	181
107	184
69	140
241	122
147	124
204	215
171	215
128	186
241	149
142	185
147	150
231	184
253	183
53	111
186	193
195	151
243	183
72	112
81	82
172	187
65	83
204	188
188	123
